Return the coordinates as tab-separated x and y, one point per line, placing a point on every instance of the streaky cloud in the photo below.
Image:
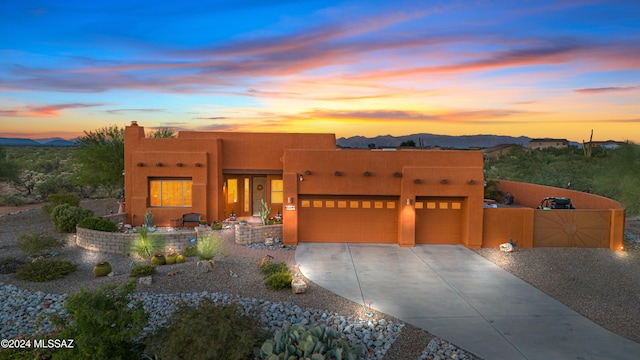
120	111
606	89
40	111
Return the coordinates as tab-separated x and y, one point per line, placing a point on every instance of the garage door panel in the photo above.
358	219
439	220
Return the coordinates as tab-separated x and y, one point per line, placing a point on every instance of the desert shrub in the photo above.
208	331
142	270
271	268
65	217
45	270
277	275
279	280
37	243
103	324
12	200
59	199
210	245
299	342
98	223
147	244
9	266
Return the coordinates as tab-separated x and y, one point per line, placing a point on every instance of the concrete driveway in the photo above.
454	293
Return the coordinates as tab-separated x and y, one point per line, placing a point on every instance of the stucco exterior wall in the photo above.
531	195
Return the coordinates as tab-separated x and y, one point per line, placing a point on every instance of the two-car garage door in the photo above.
375	219
348	219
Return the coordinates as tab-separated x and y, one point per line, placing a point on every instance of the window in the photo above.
276	191
170	192
246	194
232	191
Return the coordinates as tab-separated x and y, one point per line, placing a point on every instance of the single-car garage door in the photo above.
439	220
348	219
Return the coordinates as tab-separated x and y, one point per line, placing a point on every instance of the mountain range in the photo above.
424	139
36	142
431	140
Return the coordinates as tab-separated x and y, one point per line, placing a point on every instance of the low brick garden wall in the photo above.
118	243
250	234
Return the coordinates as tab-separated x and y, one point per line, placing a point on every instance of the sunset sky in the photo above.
363	67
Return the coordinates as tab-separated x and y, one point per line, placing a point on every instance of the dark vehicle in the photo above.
556	203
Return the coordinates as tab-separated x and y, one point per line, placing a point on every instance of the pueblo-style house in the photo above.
325	194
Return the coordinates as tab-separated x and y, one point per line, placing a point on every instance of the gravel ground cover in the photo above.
234	275
600	284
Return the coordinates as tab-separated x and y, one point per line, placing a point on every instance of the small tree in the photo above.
100	154
166	133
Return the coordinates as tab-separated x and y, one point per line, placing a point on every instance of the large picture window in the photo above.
170	192
276	191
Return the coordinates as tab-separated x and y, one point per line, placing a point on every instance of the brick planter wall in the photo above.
118	243
249	234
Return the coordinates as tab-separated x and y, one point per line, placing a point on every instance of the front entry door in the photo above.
259	193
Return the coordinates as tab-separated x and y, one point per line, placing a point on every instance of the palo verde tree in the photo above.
100	154
163	133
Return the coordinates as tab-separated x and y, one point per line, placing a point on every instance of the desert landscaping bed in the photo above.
601	284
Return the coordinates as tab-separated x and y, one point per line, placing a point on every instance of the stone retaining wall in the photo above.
118	243
249	234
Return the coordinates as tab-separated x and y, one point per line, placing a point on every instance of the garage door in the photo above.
439	220
348	219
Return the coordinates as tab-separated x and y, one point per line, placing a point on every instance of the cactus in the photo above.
264	212
316	343
148	219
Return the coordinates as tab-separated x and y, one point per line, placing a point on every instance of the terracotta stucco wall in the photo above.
531	195
214	153
371	173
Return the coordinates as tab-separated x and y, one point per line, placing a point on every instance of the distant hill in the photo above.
36	142
431	140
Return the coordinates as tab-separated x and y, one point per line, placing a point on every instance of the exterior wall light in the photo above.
471	182
198	165
397	174
301	178
290	200
417	181
408	201
443	181
366	173
179	164
337	173
307	172
158	164
140	164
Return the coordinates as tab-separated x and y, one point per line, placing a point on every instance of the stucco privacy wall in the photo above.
568	227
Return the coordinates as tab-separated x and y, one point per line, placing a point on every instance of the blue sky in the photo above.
532	68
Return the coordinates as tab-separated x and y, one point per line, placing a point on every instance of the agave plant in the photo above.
210	245
147	244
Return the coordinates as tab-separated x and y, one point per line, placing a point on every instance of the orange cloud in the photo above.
42	111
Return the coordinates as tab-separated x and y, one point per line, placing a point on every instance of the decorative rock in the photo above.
204	266
298	286
145	280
